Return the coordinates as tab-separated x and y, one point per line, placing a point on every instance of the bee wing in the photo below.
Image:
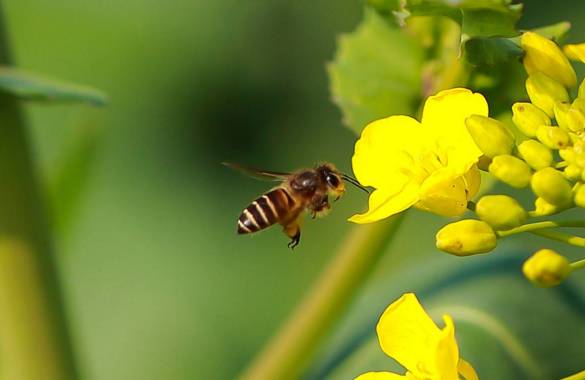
257	173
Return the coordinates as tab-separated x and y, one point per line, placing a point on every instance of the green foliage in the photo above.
375	73
491	51
29	86
478	18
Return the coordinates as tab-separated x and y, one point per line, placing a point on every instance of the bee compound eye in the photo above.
332	180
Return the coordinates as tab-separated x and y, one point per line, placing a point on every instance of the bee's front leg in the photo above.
319	205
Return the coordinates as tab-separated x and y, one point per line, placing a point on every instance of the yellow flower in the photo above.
545	56
408	335
428	164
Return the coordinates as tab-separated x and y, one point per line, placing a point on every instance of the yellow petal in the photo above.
406	333
446	352
472	182
543	55
466	370
386	202
443	193
575	52
444	116
380	376
384	153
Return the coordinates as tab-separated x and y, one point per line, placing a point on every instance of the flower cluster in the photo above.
434	164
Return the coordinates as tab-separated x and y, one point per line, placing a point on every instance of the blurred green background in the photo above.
158	284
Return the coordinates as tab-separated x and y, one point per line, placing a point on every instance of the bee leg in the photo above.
293	231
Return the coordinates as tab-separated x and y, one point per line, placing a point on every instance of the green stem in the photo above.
289	351
541	225
562	237
578	264
34	343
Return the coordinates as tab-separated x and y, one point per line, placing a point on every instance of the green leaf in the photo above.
481	18
68	186
29	86
556	32
375	73
491	51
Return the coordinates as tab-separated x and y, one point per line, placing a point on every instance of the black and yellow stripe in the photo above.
270	208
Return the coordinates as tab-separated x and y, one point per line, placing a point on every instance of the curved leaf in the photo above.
29	86
375	73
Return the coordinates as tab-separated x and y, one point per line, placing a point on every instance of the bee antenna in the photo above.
354	182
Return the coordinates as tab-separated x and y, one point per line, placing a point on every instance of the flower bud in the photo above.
551	185
544	92
491	136
573	118
567	154
500	211
543	208
511	170
545	56
535	154
546	268
527	117
553	137
570	117
580	195
572	172
579	153
466	237
575	52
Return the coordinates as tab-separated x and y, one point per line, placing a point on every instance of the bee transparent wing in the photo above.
257	173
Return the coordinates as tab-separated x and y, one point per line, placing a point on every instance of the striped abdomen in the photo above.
270	208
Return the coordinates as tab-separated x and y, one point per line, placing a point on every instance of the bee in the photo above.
303	190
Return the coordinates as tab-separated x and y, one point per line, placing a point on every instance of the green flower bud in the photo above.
535	154
553	137
544	92
490	135
552	186
466	237
511	170
572	172
500	211
543	208
580	195
546	268
527	117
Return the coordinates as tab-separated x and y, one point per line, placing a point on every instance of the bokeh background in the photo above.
158	284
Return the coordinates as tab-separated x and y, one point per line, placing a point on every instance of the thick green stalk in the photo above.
288	352
34	343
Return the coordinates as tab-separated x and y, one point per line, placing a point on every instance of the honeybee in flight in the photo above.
305	189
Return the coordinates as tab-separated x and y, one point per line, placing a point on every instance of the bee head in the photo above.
333	178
